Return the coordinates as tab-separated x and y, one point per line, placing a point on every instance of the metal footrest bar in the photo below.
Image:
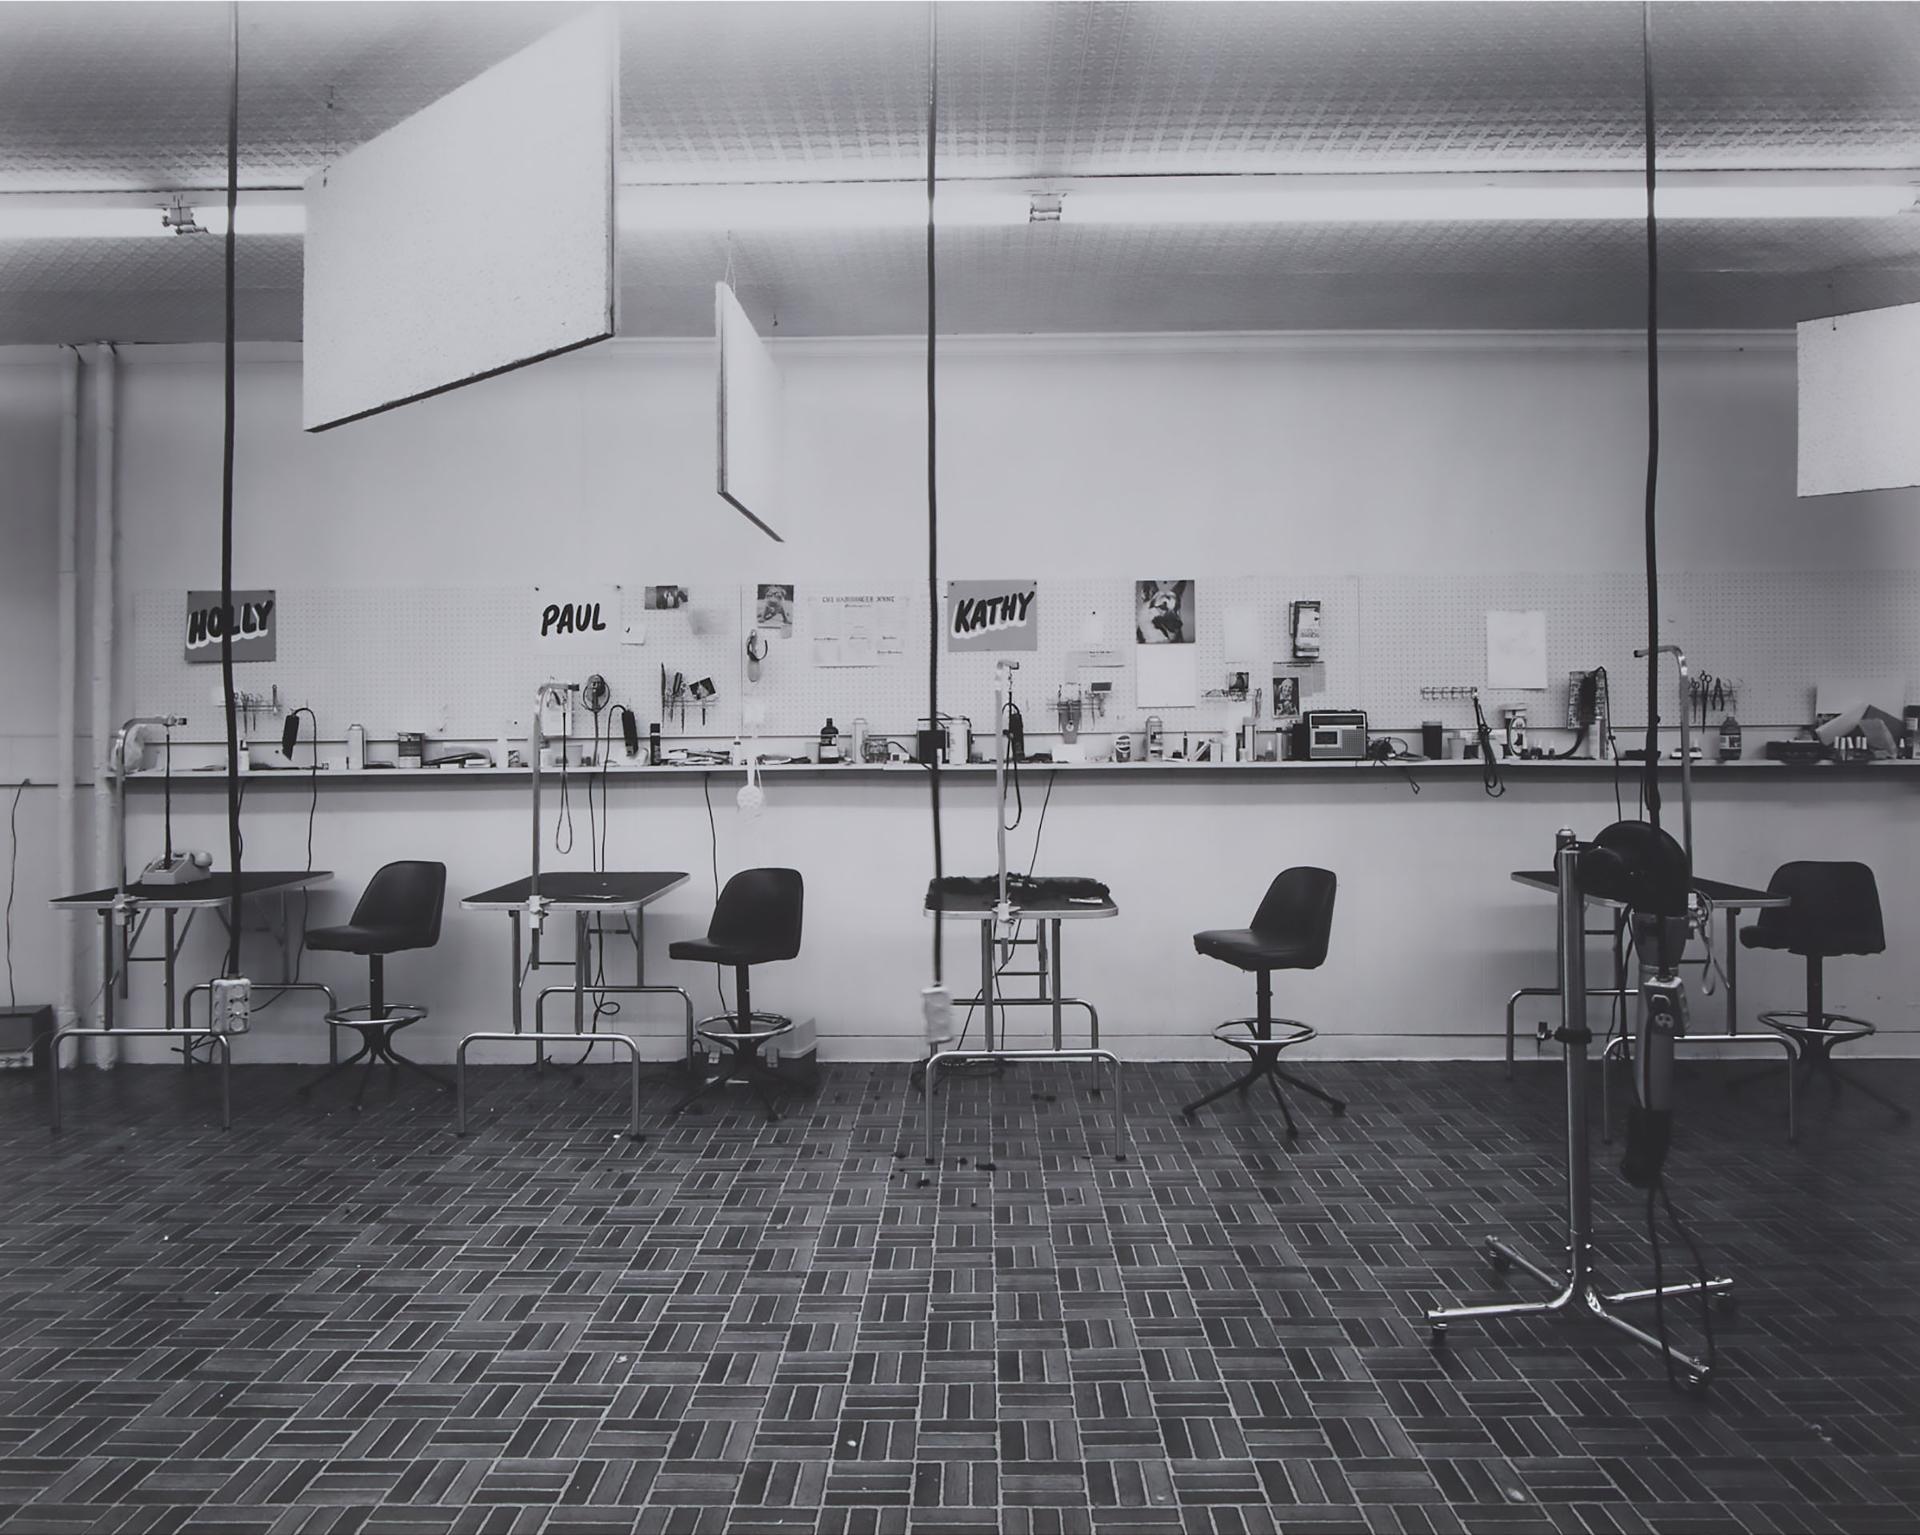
460	1073
177	1035
1093	1054
540	1004
1620	1048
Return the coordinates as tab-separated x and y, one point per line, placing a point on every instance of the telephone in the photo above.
178	869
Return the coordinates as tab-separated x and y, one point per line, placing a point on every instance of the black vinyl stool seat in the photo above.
1290	931
1834	911
399	910
755	922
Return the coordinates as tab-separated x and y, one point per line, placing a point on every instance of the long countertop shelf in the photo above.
913	772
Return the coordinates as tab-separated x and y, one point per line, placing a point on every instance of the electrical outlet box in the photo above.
231	1005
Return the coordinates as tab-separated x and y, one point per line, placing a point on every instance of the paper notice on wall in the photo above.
852	628
1166	676
1516	650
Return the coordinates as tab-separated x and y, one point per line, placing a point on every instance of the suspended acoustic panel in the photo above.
474	237
1860	401
749	415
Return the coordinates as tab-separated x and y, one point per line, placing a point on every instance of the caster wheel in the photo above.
1439	1334
1498	1261
1726	1303
1698	1382
1339	1109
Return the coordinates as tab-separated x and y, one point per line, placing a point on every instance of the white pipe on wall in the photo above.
105	434
67	832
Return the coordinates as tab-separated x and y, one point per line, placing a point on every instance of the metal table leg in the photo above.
988	988
581	968
1051	963
1733	973
106	968
513	921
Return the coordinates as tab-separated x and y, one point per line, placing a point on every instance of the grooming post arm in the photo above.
1574	1038
1686	745
535	747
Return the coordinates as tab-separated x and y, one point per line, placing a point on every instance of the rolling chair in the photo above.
399	910
755	922
1289	932
1834	910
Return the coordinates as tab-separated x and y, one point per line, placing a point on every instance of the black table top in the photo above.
954	904
1718	892
571	888
215	890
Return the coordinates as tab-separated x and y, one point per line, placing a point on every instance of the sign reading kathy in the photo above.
993	615
254	619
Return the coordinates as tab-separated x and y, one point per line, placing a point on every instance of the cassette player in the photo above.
1336	735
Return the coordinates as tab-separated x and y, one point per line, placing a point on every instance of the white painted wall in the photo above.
1061	457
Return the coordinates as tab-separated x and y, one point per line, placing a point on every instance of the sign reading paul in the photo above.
254	619
993	615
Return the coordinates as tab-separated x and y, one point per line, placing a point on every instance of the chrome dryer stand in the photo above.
1575	1289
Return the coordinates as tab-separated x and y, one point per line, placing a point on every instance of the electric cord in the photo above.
1489	764
713	852
230	396
933	485
1650	778
13	874
563	817
1013	765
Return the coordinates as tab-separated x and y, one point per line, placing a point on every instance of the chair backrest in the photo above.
760	910
1835	910
404	899
1298	906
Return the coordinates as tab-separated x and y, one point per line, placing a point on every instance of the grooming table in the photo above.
581	895
123	919
1049	913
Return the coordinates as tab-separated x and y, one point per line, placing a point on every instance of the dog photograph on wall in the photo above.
663	599
1286	697
1163	612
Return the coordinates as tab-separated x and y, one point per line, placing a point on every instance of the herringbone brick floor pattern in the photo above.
326	1321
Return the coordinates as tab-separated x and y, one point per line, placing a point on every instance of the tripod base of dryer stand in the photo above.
1575	1293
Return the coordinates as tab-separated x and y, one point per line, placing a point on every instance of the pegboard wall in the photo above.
456	663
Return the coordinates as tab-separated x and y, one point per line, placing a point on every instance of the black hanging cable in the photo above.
1651	771
13	875
933	488
226	503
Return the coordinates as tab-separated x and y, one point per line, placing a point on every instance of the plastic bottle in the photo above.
1729	739
829	741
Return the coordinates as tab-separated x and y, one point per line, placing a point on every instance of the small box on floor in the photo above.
24	1029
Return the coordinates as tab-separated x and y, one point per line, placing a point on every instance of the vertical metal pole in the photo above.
535	745
513	918
988	990
1574	1040
167	970
580	969
1052	960
106	966
1733	972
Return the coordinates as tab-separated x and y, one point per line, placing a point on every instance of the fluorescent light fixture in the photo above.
834	205
1571	198
253	218
75	217
44	218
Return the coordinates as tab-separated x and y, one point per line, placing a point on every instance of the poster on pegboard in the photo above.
858	628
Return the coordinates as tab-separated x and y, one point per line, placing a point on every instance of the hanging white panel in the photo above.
1860	401
475	237
749	415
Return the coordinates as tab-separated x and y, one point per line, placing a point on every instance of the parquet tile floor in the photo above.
335	1322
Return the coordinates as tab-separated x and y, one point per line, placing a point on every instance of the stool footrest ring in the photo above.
1797	1025
361	1015
721	1030
1240	1033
